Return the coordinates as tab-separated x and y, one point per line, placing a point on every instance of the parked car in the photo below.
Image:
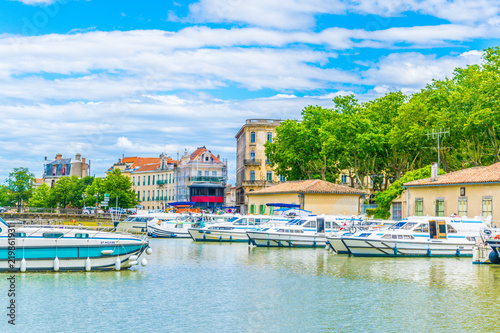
119	211
3	209
91	211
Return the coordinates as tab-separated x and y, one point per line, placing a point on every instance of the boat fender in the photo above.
395	249
118	264
149	251
133	263
458	252
132	258
23	265
88	264
107	252
153	235
494	257
56	264
144	262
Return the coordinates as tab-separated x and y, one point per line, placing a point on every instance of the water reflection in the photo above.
190	286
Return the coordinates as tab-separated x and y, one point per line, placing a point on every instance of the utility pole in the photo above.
438	134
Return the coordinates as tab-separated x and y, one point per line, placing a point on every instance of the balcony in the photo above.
206	179
161	182
252	161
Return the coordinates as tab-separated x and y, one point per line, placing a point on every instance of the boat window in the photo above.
257	221
265	220
387	236
424	227
241	221
409	225
407	236
20	235
451	230
310	224
400	236
365	234
81	235
397	225
52	234
232	219
280	230
394	236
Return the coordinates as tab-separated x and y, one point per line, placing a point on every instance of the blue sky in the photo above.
106	79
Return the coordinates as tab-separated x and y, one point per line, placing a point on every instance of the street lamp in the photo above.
84	195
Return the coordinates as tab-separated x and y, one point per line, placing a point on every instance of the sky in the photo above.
137	78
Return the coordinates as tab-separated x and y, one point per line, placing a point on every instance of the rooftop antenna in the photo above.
438	133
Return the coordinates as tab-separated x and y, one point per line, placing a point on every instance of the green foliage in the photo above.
19	184
394	191
40	197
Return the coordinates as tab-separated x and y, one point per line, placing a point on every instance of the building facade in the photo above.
470	192
253	171
317	196
199	177
64	167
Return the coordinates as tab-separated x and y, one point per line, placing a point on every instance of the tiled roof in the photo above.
309	186
148	167
200	151
141	161
129	159
483	174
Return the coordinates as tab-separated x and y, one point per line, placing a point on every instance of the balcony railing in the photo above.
252	161
250	182
206	179
161	182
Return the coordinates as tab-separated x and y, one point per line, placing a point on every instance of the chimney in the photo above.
434	172
78	157
58	157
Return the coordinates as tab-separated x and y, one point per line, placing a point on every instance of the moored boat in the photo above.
301	232
234	230
418	236
45	248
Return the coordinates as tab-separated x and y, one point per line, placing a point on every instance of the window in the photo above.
252	155
252	175
200	173
20	235
149	180
153	179
343	179
487	207
81	235
214	173
252	137
282	178
138	180
133	181
143	195
149	195
269	136
252	209
207	173
138	195
269	176
419	207
262	209
439	207
397	211
52	234
143	180
462	206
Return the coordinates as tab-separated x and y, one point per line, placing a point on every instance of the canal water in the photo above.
212	287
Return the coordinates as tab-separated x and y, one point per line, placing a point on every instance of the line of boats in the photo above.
353	235
57	248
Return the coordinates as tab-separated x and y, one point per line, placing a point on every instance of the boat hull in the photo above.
203	235
407	248
160	232
131	227
336	244
266	239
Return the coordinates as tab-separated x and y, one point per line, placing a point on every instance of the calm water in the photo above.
190	287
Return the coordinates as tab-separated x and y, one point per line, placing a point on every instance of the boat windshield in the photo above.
397	225
232	219
409	225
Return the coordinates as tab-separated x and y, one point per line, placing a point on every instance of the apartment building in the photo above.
64	167
253	171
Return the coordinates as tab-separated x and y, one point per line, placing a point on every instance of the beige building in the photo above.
64	167
253	171
470	192
317	196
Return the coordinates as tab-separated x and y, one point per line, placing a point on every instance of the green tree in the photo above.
63	192
5	196
20	186
119	188
40	197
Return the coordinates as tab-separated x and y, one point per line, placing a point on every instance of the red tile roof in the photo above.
200	151
483	174
141	161
148	167
129	159
309	186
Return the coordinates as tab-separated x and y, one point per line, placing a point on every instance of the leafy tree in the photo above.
20	186
119	188
63	192
5	196
40	197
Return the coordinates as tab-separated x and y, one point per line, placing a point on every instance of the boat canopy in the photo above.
181	203
283	205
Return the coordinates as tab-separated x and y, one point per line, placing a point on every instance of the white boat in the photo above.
135	224
301	232
334	239
173	228
45	248
234	230
418	236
